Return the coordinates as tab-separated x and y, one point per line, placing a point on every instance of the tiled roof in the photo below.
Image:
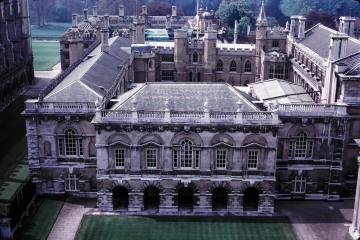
94	77
318	39
221	97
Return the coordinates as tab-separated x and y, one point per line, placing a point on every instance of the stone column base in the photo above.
354	233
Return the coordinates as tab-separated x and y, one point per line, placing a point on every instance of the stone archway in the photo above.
185	199
151	198
251	199
120	198
219	199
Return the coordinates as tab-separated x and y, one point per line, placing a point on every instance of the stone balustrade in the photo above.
310	110
33	106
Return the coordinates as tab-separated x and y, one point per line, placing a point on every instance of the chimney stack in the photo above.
144	9
173	11
86	11
105	35
168	21
121	11
74	20
106	22
347	25
94	11
350	12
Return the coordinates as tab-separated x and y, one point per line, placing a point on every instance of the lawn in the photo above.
46	54
52	30
180	228
38	225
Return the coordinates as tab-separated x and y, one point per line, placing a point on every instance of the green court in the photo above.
180	228
46	54
51	30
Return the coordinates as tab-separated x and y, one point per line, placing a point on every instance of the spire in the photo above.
261	20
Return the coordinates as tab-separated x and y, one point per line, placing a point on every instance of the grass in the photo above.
51	30
41	220
176	228
46	54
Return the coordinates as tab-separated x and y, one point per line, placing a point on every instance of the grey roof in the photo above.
318	39
352	63
280	91
221	97
93	78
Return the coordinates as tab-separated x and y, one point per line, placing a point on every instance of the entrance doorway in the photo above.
185	199
120	198
151	198
251	199
219	199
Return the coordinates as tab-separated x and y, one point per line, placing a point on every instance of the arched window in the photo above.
195	57
233	66
219	66
247	66
186	156
69	144
301	146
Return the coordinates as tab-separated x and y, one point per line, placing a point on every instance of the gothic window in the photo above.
119	156
301	146
219	66
247	66
253	159
71	182
151	158
167	58
221	159
299	184
186	156
195	57
70	144
233	66
167	75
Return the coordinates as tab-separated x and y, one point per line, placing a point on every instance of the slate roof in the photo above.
93	78
318	39
280	91
184	97
353	64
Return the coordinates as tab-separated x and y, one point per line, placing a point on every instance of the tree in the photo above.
313	17
231	10
161	9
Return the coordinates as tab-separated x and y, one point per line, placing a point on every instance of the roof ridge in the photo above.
90	89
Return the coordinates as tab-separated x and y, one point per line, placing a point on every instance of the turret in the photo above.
261	28
180	54
210	37
139	30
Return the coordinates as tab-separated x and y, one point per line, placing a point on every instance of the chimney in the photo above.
168	21
301	27
105	40
74	20
86	11
350	12
106	22
338	46
121	11
235	31
144	9
347	25
94	11
173	11
337	13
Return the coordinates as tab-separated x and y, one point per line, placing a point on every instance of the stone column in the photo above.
355	225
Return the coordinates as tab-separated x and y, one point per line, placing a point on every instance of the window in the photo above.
195	57
69	144
253	159
167	58
71	182
275	43
220	159
233	66
299	184
247	66
151	158
167	76
186	156
271	72
278	72
219	66
119	158
301	147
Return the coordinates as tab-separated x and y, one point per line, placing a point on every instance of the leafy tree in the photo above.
313	17
161	9
231	10
272	22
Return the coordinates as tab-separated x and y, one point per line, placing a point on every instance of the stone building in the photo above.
146	125
16	60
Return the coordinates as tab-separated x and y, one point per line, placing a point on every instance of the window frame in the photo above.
167	75
179	161
221	156
248	159
301	148
219	65
71	182
195	57
115	157
147	159
63	144
247	66
233	66
298	185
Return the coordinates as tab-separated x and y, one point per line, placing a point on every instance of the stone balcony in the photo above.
35	106
310	110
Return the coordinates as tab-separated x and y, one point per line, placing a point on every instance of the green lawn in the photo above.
180	228
52	30
38	225
46	54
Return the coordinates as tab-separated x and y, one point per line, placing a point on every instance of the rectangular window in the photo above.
221	159
167	76
175	158
197	158
186	159
275	43
299	184
71	183
253	159
167	58
119	158
70	147
151	158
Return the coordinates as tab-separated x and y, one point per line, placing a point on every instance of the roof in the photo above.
318	39
221	97
352	63
94	77
156	34
280	91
